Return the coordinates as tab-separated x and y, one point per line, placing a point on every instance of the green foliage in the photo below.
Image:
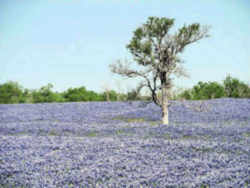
231	87
142	45
113	95
236	88
80	94
207	90
45	94
11	92
186	94
110	95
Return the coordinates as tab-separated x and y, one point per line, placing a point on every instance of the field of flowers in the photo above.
123	144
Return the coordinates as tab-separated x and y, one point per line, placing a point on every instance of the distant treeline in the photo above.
12	92
230	87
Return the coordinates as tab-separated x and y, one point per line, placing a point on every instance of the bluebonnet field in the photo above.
123	144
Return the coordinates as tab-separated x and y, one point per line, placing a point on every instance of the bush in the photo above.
186	95
11	92
207	90
81	94
236	88
231	87
45	94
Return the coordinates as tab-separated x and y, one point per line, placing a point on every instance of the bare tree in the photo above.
156	53
106	89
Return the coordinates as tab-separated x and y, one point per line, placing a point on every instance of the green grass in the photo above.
190	137
136	120
53	133
119	132
129	120
167	136
92	134
154	123
247	134
247	183
19	134
203	149
204	186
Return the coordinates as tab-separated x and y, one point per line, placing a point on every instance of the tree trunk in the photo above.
107	96
164	106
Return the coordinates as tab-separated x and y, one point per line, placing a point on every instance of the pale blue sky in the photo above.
70	43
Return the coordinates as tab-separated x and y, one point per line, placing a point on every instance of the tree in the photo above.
156	53
207	90
76	94
186	94
11	92
45	94
236	88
